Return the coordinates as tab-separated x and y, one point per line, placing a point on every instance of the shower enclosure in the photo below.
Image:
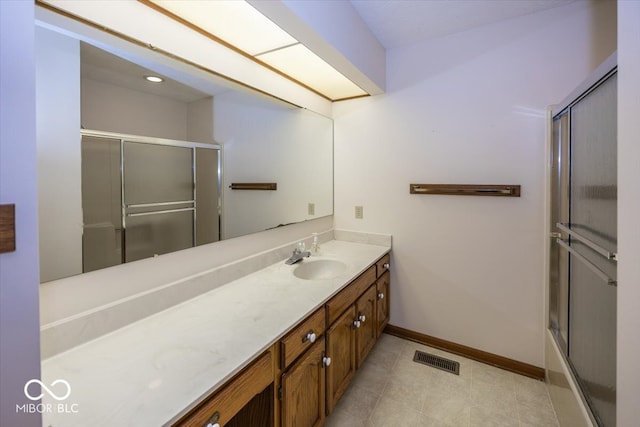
143	197
582	293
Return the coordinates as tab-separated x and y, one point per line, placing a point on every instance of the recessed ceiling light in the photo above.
154	79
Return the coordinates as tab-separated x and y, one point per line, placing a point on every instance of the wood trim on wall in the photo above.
466	190
468	352
254	186
7	228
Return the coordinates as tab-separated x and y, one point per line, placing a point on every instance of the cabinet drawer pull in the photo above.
213	421
385	265
362	318
380	295
326	361
356	323
311	337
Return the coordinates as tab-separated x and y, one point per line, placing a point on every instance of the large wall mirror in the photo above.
130	169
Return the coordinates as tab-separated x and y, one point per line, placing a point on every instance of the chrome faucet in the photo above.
298	254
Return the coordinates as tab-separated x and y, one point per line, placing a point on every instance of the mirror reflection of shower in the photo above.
144	197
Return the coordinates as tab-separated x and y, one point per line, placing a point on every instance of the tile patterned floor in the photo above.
392	390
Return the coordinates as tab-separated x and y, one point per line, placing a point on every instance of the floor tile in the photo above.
535	414
495	397
341	418
447	408
393	413
371	377
383	357
481	416
459	420
532	391
358	401
390	389
405	390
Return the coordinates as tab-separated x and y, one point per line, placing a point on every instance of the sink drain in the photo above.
437	362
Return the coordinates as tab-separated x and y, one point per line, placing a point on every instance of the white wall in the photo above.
468	108
58	142
113	108
267	143
19	333
200	121
628	387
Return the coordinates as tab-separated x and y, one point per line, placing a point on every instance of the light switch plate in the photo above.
311	209
359	212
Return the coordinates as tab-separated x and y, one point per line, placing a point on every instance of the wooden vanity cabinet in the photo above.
342	351
303	389
383	285
351	333
383	265
302	337
247	397
300	379
367	330
356	316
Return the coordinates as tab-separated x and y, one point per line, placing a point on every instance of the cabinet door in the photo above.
367	332
303	389
246	396
341	350
382	301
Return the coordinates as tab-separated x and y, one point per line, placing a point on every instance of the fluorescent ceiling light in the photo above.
235	22
240	25
305	66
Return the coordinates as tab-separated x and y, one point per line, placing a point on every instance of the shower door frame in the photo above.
123	138
558	185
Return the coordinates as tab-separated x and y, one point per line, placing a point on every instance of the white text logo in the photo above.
44	387
58	390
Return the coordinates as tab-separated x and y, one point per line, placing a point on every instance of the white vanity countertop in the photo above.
151	371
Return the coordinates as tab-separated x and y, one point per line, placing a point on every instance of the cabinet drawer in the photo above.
298	340
231	398
338	304
380	265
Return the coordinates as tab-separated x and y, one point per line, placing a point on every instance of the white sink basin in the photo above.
321	269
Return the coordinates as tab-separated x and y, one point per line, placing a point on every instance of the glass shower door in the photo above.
158	199
593	213
101	203
583	265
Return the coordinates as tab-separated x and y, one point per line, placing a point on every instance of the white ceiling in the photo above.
98	65
403	22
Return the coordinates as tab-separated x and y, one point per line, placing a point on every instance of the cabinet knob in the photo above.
362	318
213	421
326	361
356	323
380	295
311	336
385	265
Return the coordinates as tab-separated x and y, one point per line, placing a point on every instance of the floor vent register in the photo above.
437	362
